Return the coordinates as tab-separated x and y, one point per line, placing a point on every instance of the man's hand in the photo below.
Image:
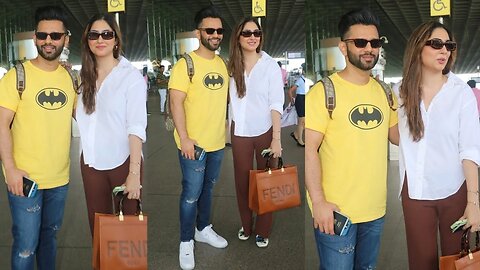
323	216
14	179
188	150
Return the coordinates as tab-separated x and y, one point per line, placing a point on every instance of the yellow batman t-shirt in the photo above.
41	128
353	153
206	101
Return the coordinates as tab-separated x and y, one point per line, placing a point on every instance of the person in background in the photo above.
439	147
35	143
297	93
284	74
256	100
199	109
162	83
476	92
112	119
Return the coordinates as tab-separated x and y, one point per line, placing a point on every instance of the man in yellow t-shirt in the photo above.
199	110
37	145
349	172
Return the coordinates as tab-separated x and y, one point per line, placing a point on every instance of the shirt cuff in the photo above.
138	131
472	155
277	107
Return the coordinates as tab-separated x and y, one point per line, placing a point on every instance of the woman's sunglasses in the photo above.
248	33
210	31
53	35
362	43
438	44
106	35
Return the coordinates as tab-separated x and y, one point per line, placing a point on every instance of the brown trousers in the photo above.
98	186
244	150
424	219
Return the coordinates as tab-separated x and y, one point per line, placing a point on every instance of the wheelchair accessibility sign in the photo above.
439	8
259	8
116	5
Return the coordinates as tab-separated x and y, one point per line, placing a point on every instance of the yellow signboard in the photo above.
439	8
116	5
259	8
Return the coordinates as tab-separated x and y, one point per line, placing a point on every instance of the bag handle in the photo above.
120	207
466	243
279	165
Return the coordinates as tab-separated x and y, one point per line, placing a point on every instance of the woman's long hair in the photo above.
88	74
411	89
236	66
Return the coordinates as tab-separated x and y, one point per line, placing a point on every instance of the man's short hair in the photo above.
50	13
206	12
472	83
357	16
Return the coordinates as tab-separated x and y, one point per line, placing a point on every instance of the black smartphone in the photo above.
29	187
341	223
199	152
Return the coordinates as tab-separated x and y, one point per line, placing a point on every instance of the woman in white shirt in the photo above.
111	117
439	147
256	103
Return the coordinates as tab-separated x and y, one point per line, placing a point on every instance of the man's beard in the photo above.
207	45
357	61
50	56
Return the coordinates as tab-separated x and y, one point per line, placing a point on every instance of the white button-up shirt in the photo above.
433	165
252	113
119	111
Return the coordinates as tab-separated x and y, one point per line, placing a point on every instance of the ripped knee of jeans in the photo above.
25	254
349	249
191	200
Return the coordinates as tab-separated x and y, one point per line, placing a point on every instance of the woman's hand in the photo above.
472	214
132	186
276	148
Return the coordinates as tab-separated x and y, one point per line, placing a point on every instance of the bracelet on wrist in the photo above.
135	163
134	173
473	202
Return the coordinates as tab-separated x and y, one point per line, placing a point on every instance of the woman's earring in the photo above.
116	47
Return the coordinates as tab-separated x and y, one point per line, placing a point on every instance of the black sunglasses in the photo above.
362	43
210	31
248	33
438	44
53	35
106	35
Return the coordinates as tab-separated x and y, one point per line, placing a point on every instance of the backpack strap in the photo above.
74	77
190	67
20	72
330	101
388	93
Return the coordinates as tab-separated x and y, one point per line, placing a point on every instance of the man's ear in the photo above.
343	47
198	34
67	41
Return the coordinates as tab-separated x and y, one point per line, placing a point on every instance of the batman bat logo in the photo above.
51	98
213	81
366	116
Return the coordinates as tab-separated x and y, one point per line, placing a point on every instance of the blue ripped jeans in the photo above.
357	250
35	222
199	177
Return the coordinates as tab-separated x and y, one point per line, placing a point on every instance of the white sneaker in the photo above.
261	242
242	236
209	236
185	256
